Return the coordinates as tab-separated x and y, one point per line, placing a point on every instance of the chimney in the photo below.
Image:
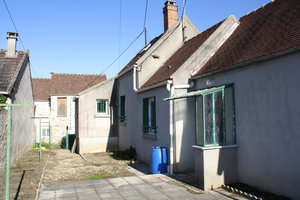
170	14
11	44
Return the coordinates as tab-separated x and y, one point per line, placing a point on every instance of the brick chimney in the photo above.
170	14
11	44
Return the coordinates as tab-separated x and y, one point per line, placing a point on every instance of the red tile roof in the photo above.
63	84
270	29
10	69
179	57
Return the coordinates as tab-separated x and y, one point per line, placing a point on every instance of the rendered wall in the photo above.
22	130
97	132
3	132
267	118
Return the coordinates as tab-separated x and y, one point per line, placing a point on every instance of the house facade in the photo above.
56	111
244	105
98	118
133	131
15	88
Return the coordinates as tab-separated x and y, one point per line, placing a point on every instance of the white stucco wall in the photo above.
98	132
267	118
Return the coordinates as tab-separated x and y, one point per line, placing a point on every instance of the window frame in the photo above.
123	109
58	114
98	111
212	91
149	116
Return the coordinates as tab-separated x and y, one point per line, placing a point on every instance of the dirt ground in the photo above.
62	166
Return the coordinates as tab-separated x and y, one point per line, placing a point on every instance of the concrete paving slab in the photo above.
128	188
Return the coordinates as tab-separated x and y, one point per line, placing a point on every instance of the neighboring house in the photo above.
98	118
137	72
55	103
244	105
15	85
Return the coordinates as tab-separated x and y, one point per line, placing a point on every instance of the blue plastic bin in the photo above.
164	161
156	160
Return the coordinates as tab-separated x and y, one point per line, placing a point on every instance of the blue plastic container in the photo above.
156	160
164	160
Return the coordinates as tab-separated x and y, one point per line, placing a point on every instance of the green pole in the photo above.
67	138
50	135
40	135
34	135
8	154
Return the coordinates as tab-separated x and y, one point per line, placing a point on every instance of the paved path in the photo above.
156	187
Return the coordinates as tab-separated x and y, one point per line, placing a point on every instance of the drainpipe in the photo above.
136	68
171	88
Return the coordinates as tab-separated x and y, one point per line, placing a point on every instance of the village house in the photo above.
136	73
243	107
56	109
15	88
98	118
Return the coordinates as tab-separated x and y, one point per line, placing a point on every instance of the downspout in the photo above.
136	68
171	88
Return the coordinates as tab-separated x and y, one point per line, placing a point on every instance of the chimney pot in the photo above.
170	14
12	38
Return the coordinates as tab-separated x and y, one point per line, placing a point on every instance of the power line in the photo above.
13	23
183	8
122	52
145	15
120	29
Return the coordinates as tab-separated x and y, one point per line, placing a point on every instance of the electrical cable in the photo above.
122	52
13	23
145	15
120	26
183	8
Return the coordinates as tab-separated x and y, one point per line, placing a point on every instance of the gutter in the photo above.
172	88
153	86
5	93
253	61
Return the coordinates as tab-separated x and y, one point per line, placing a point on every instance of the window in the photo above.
122	109
149	115
214	126
61	106
45	132
102	106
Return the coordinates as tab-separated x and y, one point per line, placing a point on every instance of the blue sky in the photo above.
85	36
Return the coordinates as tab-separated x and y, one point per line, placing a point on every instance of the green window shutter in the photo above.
145	115
122	108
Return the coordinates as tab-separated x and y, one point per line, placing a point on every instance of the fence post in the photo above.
8	154
67	138
50	136
40	139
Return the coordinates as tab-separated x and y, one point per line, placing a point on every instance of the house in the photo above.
171	78
15	88
98	118
136	73
55	103
244	104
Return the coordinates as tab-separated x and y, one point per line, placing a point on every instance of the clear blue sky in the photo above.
84	36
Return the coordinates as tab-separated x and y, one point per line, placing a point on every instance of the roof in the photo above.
10	69
63	84
41	88
270	29
179	57
139	55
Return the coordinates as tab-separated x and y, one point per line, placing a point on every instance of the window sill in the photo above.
101	116
123	123
150	136
215	147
